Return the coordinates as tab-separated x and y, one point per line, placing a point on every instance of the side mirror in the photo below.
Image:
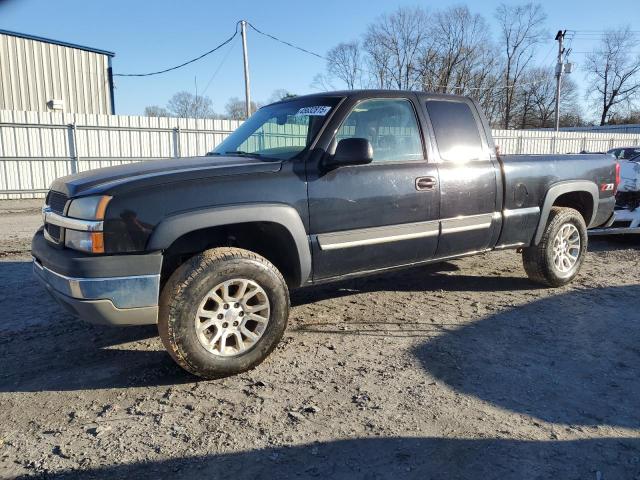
350	151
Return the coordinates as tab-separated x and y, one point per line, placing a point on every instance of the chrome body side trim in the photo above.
509	245
393	233
521	211
376	235
49	216
467	223
124	292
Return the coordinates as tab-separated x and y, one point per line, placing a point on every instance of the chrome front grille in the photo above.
56	201
54	231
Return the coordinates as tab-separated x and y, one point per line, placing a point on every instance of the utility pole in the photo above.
245	55
559	71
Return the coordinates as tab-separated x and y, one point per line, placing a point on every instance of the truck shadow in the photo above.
423	278
569	359
43	348
396	457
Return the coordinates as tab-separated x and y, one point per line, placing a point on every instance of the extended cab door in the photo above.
382	214
468	172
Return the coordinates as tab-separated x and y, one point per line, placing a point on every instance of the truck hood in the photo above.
155	172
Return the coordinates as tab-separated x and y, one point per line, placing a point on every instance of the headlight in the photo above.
89	208
90	242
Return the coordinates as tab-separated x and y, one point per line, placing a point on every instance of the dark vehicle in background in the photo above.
624	153
308	190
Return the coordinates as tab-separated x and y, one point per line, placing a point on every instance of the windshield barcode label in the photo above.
319	111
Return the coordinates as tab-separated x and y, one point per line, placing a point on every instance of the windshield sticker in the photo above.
318	111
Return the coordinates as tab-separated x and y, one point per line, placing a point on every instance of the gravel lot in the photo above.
460	370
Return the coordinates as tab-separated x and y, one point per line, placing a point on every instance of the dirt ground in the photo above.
460	370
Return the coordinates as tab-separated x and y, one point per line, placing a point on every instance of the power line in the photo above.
588	52
182	64
286	43
215	73
453	87
597	32
304	50
544	60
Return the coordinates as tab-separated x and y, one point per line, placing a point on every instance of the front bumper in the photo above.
89	288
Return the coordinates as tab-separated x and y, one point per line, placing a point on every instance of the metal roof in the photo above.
56	42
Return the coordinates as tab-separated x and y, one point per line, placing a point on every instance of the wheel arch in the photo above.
582	195
283	218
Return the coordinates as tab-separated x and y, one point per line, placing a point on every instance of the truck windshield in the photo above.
279	131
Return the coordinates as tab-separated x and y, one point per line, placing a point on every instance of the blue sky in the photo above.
148	36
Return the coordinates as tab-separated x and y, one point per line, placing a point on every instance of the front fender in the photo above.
175	226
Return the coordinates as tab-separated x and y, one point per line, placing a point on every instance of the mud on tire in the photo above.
188	303
540	261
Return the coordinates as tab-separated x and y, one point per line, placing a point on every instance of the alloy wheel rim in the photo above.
566	248
232	317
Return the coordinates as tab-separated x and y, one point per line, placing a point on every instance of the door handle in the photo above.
426	183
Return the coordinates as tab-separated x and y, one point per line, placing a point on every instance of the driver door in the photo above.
378	215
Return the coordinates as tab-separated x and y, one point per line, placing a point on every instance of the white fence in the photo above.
545	141
36	148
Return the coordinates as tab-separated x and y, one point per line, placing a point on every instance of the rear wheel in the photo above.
223	312
557	259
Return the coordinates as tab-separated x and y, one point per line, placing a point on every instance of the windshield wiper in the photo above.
240	152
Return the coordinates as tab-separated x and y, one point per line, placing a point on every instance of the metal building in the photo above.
39	74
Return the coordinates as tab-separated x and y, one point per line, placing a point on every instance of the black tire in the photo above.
538	260
189	285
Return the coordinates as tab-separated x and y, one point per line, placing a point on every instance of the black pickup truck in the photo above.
308	190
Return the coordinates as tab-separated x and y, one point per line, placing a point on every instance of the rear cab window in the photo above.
456	130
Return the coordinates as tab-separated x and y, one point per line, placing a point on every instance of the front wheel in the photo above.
557	259
223	312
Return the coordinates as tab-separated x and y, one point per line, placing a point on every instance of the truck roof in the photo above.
370	92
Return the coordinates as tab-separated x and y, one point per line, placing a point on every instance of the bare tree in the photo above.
455	51
187	105
235	108
156	111
460	57
394	44
534	103
613	72
281	94
345	63
485	85
630	116
520	30
322	82
378	60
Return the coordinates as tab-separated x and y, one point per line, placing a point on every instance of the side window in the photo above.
456	130
389	124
